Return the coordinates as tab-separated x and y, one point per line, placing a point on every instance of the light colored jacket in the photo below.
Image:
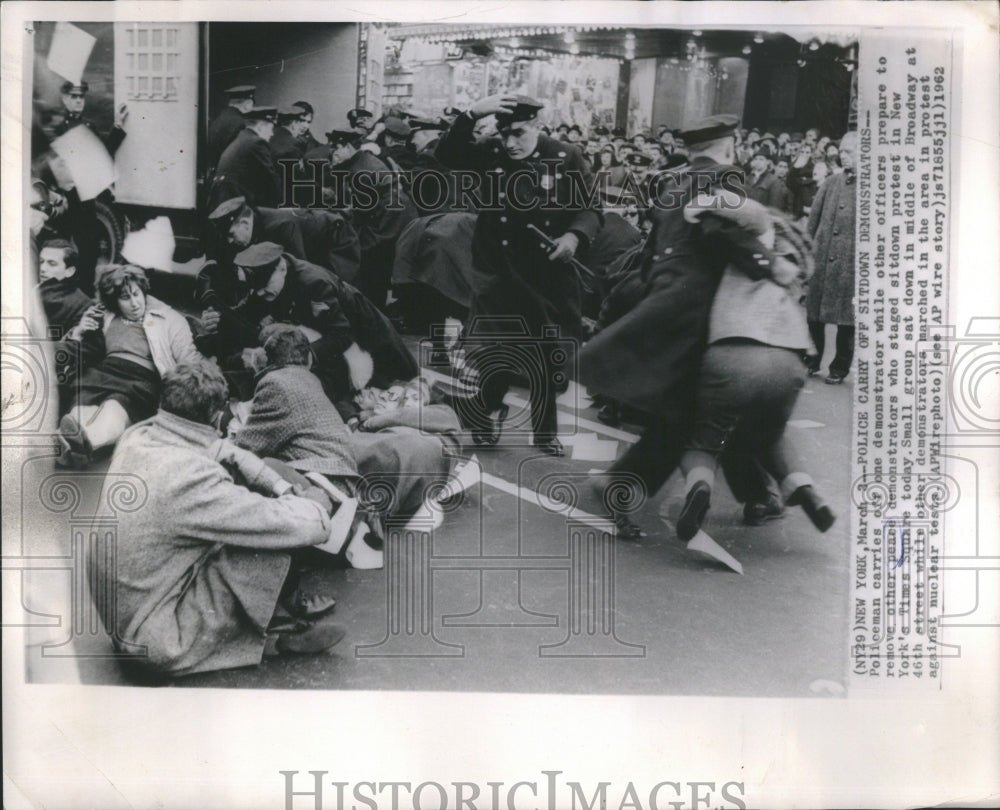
760	310
194	576
168	333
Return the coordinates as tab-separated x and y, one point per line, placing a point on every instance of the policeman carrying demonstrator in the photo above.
524	242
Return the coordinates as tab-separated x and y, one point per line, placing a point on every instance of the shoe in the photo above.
308	605
626	530
812	372
550	447
74	440
695	508
814	506
489	437
302	638
834	379
757	514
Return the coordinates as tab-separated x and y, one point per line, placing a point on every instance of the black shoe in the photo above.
757	514
694	511
75	440
834	379
814	506
490	436
551	447
301	637
626	530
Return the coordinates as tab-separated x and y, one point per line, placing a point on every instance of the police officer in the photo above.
247	167
371	195
284	142
321	237
528	278
79	221
229	122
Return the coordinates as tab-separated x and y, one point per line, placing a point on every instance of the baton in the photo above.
589	280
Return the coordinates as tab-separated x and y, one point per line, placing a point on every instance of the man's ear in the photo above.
70	270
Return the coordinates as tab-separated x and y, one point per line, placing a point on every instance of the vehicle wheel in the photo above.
111	235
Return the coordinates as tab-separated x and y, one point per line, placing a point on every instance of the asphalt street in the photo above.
522	592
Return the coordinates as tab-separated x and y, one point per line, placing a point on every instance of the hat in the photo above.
241	91
262	114
261	256
764	153
397	127
767	136
452	111
563	127
423	123
228	208
618	132
338	136
708	129
69	87
293	113
525	109
639	159
600	131
356	113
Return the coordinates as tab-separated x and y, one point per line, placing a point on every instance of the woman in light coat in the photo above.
125	344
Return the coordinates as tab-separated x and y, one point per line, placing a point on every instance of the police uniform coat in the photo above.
247	168
649	357
520	279
284	146
378	220
315	297
221	132
111	141
830	298
321	237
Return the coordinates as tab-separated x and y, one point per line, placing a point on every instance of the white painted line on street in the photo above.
549	505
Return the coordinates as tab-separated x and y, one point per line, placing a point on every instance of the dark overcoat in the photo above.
246	167
316	298
520	280
649	357
221	132
830	298
321	237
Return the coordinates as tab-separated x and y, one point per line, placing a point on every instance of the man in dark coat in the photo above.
362	186
284	142
268	285
247	167
62	299
528	278
322	237
763	184
648	358
307	141
228	124
830	298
